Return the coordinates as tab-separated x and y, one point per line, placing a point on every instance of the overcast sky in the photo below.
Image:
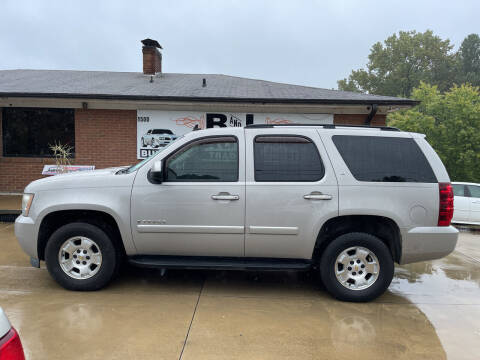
311	43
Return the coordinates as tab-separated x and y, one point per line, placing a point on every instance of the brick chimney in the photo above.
152	57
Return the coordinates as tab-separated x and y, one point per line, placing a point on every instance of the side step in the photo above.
218	263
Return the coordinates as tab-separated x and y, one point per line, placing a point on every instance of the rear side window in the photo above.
474	191
458	190
287	158
384	159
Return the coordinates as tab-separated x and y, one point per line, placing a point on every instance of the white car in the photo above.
466	203
10	344
158	138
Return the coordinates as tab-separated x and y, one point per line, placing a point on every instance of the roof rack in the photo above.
325	126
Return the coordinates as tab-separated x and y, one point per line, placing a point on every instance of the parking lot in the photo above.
431	311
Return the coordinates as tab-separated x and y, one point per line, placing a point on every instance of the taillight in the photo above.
445	210
11	346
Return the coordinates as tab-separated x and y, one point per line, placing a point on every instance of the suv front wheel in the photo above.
356	267
81	256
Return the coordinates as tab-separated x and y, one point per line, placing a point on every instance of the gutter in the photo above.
404	102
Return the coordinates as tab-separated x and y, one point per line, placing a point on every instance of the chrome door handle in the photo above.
476	202
225	196
315	195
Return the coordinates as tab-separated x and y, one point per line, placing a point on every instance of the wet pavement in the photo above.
431	311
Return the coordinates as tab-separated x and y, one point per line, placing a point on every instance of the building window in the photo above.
287	158
29	132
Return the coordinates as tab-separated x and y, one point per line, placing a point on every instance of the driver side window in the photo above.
212	159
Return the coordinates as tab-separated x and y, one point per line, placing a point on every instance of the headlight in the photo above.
26	203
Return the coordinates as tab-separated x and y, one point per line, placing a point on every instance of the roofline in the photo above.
404	102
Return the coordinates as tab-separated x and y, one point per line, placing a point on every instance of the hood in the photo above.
82	179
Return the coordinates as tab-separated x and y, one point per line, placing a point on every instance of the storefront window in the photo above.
29	132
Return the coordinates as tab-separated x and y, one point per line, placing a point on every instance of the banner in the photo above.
158	128
54	169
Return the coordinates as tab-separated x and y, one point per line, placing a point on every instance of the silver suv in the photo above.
347	201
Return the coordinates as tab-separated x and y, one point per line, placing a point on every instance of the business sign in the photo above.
54	169
157	128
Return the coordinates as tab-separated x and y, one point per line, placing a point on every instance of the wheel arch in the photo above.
382	227
55	219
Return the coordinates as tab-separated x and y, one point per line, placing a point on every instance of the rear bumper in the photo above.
26	236
427	243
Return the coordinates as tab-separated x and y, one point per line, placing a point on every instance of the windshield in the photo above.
141	163
161	131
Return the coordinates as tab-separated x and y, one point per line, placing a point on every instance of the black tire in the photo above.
343	242
110	257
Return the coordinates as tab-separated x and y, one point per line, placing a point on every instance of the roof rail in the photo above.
325	126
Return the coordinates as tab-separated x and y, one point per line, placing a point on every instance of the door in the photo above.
290	189
461	203
198	210
474	191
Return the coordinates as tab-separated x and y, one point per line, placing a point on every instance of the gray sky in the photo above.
311	43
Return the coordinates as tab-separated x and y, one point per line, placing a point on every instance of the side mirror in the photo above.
155	174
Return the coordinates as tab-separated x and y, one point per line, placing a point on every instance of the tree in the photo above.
468	57
451	122
399	64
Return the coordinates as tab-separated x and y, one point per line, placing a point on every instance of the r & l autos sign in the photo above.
157	128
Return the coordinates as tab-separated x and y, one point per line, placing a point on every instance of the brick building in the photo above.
103	115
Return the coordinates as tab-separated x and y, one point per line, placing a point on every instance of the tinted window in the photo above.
474	191
209	159
384	159
31	131
286	158
458	190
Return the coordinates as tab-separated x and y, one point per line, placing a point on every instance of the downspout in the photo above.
372	113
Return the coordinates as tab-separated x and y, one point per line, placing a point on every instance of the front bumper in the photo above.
427	243
26	235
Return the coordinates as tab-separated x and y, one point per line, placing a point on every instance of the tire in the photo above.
86	234
143	142
358	288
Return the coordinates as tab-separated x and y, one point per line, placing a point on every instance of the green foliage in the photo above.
468	59
399	64
451	122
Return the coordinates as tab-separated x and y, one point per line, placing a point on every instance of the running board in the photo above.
218	263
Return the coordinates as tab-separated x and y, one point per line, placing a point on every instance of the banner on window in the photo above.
55	170
158	128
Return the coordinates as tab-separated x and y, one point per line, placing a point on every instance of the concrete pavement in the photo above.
431	311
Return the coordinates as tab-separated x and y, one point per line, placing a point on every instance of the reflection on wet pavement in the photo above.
431	311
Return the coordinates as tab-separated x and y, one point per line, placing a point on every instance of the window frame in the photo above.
309	140
32	156
191	143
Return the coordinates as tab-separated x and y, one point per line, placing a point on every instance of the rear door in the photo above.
290	190
461	203
474	191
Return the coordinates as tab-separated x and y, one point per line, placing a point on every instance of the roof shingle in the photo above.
172	86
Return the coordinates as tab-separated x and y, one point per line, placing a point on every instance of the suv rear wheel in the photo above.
81	256
356	267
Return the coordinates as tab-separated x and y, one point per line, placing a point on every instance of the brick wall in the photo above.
103	138
152	60
354	119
